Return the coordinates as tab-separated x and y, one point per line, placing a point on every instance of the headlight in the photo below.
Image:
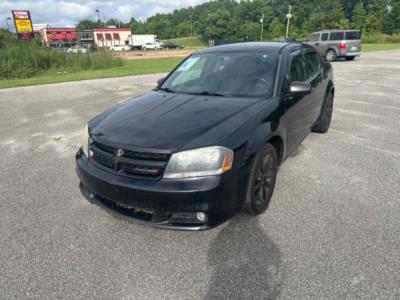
85	142
199	162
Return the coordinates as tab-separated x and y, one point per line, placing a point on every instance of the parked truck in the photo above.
137	41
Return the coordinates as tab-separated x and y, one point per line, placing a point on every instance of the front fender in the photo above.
265	122
256	140
265	132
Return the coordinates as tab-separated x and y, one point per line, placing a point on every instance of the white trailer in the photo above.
138	40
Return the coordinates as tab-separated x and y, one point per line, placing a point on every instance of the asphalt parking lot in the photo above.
332	230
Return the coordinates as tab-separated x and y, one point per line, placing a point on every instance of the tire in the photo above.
331	55
325	118
348	58
261	182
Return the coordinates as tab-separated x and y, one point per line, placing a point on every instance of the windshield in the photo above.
237	74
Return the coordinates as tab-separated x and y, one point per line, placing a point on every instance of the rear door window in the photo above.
324	36
353	35
336	36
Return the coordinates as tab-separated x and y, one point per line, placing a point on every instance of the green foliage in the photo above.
359	17
188	42
381	38
276	30
6	38
89	24
240	20
131	67
22	59
380	47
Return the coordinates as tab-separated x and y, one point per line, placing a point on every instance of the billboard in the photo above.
23	24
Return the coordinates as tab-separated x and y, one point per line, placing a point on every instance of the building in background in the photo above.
85	38
40	27
60	37
107	37
38	30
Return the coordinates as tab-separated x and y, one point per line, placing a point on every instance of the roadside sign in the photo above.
23	24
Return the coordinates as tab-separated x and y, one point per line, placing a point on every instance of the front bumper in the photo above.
166	203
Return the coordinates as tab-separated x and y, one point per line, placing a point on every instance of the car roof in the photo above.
249	46
336	30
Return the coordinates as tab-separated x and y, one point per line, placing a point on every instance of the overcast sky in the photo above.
60	13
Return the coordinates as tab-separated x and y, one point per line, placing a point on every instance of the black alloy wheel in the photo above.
325	118
262	180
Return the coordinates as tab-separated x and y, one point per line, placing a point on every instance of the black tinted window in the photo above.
298	69
324	36
353	35
336	36
312	63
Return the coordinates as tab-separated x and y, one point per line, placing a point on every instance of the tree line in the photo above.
240	21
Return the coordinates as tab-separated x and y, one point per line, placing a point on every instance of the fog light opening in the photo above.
202	217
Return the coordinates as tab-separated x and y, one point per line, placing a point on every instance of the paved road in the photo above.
332	230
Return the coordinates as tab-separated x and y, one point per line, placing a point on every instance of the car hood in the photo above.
168	121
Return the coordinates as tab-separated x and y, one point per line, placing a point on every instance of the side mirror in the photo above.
161	81
300	88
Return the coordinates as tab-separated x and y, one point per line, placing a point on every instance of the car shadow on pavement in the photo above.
246	262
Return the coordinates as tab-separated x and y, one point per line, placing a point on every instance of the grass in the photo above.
130	67
133	67
189	42
379	47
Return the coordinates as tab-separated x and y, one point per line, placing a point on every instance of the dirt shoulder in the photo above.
130	55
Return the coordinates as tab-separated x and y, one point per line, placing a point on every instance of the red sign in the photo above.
62	34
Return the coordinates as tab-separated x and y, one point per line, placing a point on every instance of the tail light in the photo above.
342	46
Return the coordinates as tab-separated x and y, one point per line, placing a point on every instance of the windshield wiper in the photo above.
209	94
168	90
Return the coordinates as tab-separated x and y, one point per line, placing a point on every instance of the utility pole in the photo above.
288	16
8	25
191	25
262	27
98	15
210	24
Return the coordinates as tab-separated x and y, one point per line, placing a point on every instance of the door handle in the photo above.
316	44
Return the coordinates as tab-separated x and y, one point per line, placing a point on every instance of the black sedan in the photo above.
172	46
208	141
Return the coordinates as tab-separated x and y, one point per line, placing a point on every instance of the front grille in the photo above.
129	163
